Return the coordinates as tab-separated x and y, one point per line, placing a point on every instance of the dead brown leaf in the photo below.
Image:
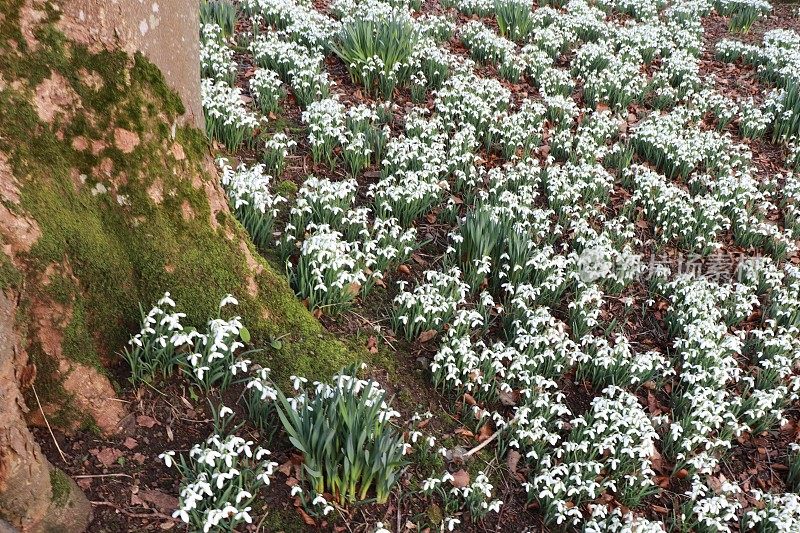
485	432
106	456
306	517
164	502
464	432
146	421
512	459
508	398
460	479
286	468
372	344
427	335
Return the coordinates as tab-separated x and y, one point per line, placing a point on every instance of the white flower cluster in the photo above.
604	520
475	497
692	221
251	198
778	513
431	304
488	47
164	343
610	448
778	60
330	270
267	90
343	250
300	67
297	21
710	509
216	58
220	480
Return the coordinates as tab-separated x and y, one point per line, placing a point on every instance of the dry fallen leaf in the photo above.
306	518
657	462
485	432
354	288
512	459
372	344
464	432
164	502
286	468
460	479
508	398
427	335
146	421
106	456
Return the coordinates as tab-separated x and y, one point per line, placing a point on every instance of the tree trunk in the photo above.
164	31
109	198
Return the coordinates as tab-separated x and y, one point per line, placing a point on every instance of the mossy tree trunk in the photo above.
108	198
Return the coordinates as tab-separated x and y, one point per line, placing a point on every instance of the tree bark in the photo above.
165	31
108	198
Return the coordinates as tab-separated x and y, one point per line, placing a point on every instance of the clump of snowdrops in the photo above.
208	358
220	478
251	199
344	431
475	498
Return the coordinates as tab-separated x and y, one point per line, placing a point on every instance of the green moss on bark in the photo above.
10	277
60	487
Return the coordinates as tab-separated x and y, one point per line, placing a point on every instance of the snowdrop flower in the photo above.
244	514
451	523
261	452
296	490
183	515
228	299
167	458
430	484
297	381
225	411
166	300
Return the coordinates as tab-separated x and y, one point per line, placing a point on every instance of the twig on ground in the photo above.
61	453
153	515
85	476
482	445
